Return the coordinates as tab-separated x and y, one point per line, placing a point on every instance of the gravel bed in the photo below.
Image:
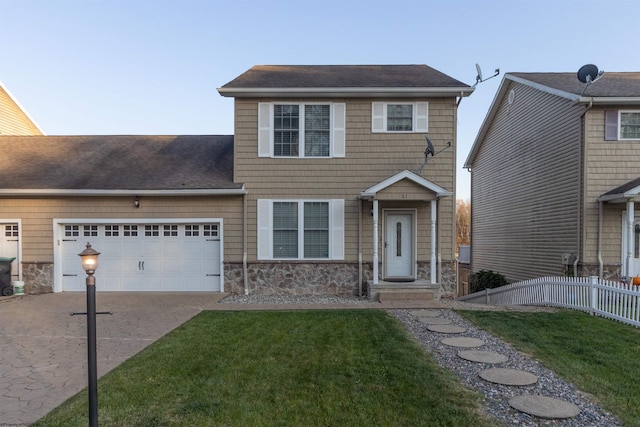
295	299
496	396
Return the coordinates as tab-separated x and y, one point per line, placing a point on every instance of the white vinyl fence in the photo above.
604	298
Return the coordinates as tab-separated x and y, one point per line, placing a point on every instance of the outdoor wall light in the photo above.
136	202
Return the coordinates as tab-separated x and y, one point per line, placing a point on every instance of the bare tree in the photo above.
463	222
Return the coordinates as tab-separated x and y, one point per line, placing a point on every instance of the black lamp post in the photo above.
89	258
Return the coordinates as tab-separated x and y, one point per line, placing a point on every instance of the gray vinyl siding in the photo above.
525	186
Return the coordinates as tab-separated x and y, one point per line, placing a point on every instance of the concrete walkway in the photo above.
43	356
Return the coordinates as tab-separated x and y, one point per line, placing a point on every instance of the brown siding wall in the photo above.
13	121
37	217
526	187
370	158
608	164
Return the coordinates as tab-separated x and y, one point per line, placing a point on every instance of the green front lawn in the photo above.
302	368
600	356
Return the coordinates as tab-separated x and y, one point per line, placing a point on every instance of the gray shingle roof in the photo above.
610	85
342	76
117	162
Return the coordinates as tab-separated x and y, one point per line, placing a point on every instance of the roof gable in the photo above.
371	192
611	88
282	80
14	119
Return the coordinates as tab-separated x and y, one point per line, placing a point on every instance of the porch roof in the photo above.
371	192
622	193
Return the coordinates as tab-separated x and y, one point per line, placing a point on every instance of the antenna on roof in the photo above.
479	78
432	151
589	74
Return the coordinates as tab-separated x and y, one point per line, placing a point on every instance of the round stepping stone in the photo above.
426	313
463	342
543	406
482	356
447	329
435	320
507	376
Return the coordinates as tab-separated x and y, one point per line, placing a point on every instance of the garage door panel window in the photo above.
210	230
112	230
170	231
11	231
152	230
90	231
71	231
130	230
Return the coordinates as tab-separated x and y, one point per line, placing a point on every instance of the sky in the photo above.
126	67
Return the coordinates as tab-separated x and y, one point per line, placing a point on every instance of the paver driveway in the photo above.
43	350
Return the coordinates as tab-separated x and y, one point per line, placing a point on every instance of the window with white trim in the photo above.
621	125
301	229
399	117
629	124
301	130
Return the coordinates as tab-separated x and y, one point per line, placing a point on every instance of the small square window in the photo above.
630	125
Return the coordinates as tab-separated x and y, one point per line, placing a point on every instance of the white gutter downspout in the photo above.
432	272
375	241
600	262
244	245
630	240
360	247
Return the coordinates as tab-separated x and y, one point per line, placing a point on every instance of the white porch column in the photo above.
375	242
630	240
432	272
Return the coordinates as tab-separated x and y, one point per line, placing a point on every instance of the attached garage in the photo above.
159	255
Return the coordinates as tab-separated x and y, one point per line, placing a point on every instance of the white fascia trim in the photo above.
60	192
26	113
351	91
612	100
620	197
406	174
544	88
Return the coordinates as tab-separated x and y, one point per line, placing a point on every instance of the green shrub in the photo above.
486	279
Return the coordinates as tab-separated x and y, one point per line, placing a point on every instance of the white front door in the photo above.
9	241
399	246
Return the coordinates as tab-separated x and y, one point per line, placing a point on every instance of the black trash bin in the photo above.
6	288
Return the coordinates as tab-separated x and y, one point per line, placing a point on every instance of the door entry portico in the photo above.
399	243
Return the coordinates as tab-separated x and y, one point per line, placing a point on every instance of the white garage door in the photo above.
9	240
144	257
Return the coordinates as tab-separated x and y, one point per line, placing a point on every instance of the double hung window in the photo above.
629	124
621	125
300	229
400	117
301	130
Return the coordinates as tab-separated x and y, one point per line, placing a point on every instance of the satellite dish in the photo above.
429	149
588	73
479	78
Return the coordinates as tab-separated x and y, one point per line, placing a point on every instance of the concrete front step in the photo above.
406	295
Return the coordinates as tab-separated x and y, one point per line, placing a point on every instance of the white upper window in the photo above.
400	117
301	229
629	124
301	130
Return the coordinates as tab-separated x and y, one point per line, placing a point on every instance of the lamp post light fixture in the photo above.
89	258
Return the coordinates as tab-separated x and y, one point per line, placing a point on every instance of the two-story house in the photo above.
555	178
322	189
328	155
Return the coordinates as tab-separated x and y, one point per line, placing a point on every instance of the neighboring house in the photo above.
555	178
317	191
14	120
